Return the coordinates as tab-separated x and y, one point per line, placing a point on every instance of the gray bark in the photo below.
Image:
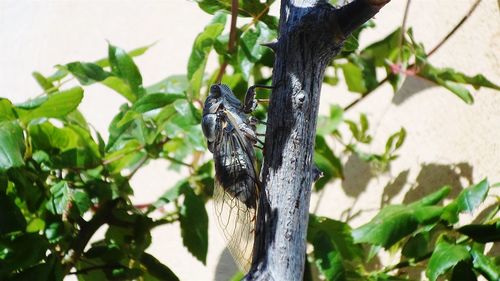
311	32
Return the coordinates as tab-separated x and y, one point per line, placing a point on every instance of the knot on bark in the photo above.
299	99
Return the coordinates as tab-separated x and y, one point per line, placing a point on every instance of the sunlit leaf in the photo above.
124	67
445	257
11	145
194	225
157	269
467	201
87	73
57	105
202	46
394	222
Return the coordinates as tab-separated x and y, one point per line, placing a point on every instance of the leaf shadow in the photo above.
226	268
357	175
433	176
393	188
411	86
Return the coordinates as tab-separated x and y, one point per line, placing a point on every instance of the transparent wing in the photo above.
236	192
236	222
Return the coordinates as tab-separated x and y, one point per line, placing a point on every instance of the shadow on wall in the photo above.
430	178
357	174
411	86
226	267
434	176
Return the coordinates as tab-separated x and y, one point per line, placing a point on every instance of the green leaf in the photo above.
43	82
463	272
124	67
328	125
32	103
454	81
353	75
129	231
360	133
171	84
21	252
445	257
56	231
250	49
35	225
65	199
486	265
482	233
467	201
11	145
255	9
194	225
458	90
399	137
132	53
173	193
11	218
339	233
50	270
202	46
157	269
29	186
70	146
127	157
477	81
383	49
334	249
104	62
433	198
57	105
154	101
7	112
394	222
389	226
87	73
327	162
417	245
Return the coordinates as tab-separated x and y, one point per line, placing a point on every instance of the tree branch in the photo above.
310	34
86	232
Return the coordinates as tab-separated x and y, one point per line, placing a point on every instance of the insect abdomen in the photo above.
236	176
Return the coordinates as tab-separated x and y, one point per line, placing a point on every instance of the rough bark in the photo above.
311	32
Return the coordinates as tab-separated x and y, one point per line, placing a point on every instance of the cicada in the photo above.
231	135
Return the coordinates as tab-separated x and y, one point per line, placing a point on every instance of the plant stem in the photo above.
86	232
459	24
232	39
403	30
407	263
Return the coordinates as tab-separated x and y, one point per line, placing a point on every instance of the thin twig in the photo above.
97	267
256	18
469	13
136	168
403	30
232	39
437	47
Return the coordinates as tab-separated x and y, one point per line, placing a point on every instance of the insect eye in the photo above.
215	90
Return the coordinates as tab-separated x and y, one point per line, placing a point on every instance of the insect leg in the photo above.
250	102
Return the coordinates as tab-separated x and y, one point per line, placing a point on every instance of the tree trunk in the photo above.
311	33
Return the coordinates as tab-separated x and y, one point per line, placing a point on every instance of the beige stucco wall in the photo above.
447	142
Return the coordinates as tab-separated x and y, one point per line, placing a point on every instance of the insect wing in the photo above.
235	192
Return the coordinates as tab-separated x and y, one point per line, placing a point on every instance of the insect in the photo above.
231	135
